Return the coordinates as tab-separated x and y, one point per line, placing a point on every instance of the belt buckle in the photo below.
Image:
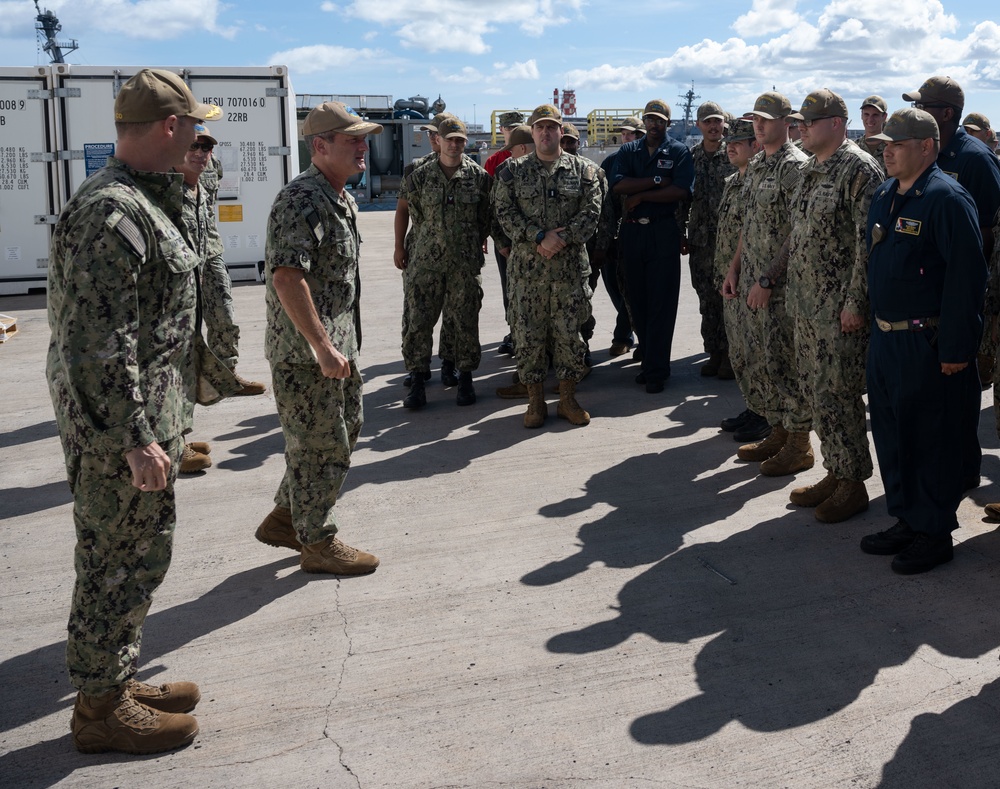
883	325
643	220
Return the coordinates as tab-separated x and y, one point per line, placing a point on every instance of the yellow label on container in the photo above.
231	213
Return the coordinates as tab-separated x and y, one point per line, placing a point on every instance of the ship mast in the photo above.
48	25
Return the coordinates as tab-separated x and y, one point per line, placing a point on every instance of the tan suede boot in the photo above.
795	455
814	495
277	530
192	462
333	556
169	697
117	722
762	450
850	498
537	410
568	408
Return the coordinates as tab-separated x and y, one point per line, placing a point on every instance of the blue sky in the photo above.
481	55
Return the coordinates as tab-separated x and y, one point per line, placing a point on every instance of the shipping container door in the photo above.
27	200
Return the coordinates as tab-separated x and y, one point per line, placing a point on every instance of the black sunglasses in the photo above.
203	146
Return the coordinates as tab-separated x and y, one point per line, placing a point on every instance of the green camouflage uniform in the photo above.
450	220
736	313
827	273
446	336
877	151
549	299
771	183
218	310
698	219
314	229
121	306
598	246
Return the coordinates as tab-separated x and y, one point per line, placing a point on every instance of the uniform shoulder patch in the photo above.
128	231
504	173
315	224
589	172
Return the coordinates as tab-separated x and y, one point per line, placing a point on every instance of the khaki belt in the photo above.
913	324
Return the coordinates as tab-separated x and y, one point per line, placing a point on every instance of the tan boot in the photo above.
201	446
117	722
333	556
515	391
170	697
277	530
193	462
537	410
850	498
762	450
568	408
795	455
814	495
250	388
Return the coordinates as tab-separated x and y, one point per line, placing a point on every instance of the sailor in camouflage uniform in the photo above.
757	275
698	219
448	202
121	307
313	339
741	146
201	173
827	297
874	111
401	221
548	203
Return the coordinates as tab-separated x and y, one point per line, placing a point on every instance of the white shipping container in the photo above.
27	190
257	137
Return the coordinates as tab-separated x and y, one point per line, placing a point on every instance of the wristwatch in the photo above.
540	237
765	282
657	180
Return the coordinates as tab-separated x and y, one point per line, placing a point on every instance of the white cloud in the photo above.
459	25
767	16
465	76
321	57
145	19
852	46
526	70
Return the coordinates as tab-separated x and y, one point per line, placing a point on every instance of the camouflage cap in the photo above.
823	103
452	127
943	90
771	105
569	130
201	133
154	95
545	112
741	130
332	116
521	135
710	110
511	119
631	123
977	122
432	124
657	108
909	124
877	102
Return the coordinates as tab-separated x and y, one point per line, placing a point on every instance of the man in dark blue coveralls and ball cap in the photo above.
653	174
926	280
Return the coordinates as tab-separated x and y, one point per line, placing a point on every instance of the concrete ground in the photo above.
621	605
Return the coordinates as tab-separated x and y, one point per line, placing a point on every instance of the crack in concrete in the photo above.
336	692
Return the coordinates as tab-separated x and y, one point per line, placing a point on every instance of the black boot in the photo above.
448	376
466	392
408	381
417	397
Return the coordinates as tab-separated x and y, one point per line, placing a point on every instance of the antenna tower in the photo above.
689	99
47	24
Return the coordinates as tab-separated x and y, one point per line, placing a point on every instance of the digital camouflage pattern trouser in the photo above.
321	419
832	368
124	540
